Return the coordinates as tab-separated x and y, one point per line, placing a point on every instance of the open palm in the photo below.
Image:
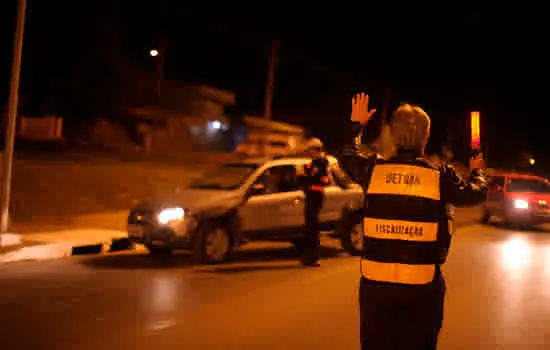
360	111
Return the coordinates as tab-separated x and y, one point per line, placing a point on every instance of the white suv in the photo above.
256	199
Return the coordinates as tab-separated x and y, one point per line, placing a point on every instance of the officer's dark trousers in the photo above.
397	316
313	205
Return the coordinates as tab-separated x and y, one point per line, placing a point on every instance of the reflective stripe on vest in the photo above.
397	273
400	229
401	223
405	180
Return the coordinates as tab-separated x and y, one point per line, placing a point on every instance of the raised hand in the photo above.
360	111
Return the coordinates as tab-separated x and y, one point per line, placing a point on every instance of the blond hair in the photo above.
410	127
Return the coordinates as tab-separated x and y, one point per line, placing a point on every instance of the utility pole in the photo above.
161	62
270	87
13	107
270	83
385	106
447	149
385	145
486	150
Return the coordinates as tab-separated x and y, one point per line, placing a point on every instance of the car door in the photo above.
291	199
274	202
335	198
258	205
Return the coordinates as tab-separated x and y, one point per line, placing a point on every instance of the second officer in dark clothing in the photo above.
314	179
407	234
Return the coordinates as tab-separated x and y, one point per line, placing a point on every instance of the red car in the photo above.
517	199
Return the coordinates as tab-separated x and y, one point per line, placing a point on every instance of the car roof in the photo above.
252	160
280	160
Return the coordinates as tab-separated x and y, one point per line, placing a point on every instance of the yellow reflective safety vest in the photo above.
405	223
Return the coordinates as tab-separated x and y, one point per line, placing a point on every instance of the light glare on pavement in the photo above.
516	254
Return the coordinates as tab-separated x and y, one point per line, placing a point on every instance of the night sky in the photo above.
448	59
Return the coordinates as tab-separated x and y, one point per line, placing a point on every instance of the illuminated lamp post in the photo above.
475	133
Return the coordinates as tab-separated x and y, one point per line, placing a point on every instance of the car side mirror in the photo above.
256	189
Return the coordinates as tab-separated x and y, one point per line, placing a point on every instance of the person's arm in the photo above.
354	160
460	192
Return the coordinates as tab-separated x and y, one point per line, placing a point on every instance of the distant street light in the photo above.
154	53
532	161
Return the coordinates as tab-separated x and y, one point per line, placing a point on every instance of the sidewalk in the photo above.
59	244
112	220
47	239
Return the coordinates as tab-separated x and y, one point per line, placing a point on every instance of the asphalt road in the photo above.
498	298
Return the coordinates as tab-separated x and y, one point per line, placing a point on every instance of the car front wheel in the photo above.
213	245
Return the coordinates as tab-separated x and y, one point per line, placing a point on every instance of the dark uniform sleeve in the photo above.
357	164
315	174
461	192
323	171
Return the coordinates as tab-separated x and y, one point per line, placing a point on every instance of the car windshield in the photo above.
528	185
224	177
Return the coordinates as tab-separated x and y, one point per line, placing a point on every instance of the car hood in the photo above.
192	199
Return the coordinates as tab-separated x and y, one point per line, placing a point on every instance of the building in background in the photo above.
265	137
48	128
184	117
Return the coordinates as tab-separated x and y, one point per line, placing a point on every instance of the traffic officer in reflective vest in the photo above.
314	179
407	234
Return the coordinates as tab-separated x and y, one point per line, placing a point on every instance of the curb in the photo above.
116	245
8	240
59	250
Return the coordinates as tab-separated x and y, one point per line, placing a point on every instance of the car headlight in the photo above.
171	214
521	204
